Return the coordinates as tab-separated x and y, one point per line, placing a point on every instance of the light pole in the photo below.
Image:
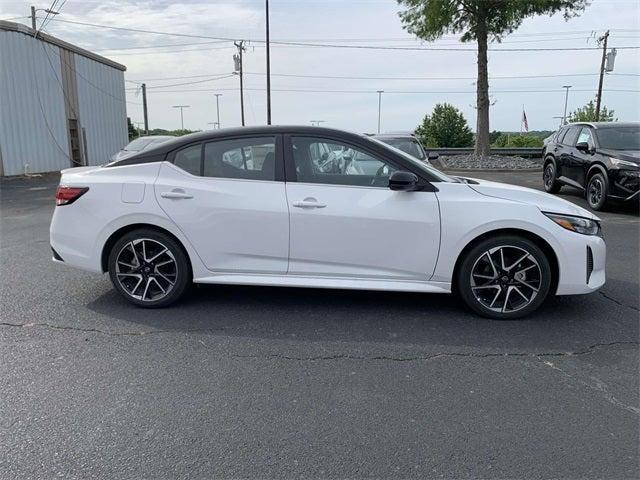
380	92
215	124
218	95
181	107
268	64
566	99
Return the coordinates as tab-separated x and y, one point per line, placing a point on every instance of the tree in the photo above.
588	114
133	131
482	21
446	127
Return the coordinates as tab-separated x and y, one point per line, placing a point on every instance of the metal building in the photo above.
60	105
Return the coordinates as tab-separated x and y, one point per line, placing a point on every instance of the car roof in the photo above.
599	125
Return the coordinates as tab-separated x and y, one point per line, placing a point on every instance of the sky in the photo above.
413	81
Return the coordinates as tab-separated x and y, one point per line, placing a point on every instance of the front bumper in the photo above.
582	264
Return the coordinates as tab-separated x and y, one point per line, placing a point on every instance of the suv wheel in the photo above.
551	184
149	268
505	277
597	191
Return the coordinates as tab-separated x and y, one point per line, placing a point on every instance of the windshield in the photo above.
428	169
407	145
619	138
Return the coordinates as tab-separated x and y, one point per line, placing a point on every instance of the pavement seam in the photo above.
618	301
105	332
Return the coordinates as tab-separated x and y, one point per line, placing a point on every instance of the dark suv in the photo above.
602	159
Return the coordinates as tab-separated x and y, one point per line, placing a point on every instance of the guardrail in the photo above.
528	152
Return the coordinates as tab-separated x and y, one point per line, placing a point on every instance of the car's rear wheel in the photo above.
149	268
597	191
504	277
549	178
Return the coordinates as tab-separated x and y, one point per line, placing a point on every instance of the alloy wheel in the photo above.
146	269
506	278
595	192
547	176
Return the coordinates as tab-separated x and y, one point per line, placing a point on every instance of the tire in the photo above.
520	288
597	191
549	178
149	268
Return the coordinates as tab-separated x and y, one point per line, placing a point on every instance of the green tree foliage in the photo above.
514	140
175	133
588	114
481	21
445	127
133	131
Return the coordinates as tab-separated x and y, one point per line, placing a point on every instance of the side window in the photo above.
334	163
586	136
570	136
188	159
247	158
561	134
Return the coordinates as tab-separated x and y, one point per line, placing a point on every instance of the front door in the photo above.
229	200
346	222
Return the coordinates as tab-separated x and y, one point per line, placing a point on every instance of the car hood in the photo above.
628	155
544	201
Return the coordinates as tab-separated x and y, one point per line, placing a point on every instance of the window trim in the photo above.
292	176
279	172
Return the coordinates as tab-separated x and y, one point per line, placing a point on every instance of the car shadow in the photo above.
397	318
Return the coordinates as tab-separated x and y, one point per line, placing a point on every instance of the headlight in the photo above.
616	162
581	225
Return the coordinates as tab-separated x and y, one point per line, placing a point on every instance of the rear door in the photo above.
228	197
580	161
346	222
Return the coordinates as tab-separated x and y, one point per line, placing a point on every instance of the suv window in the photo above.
571	135
188	159
247	158
334	163
586	136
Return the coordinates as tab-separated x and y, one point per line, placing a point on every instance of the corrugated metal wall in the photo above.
33	122
32	118
103	113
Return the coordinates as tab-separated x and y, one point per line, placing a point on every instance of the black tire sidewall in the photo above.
605	186
463	283
182	264
555	186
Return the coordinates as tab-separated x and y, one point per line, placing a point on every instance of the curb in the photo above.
489	170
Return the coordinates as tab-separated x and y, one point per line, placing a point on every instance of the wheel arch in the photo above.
546	248
113	238
596	167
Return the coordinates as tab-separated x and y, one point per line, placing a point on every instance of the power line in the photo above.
337	45
430	92
191	83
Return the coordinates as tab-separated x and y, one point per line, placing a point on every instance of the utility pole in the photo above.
33	17
218	95
181	107
380	92
144	108
215	124
566	99
268	67
603	39
238	64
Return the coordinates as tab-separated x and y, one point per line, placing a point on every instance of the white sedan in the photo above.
264	206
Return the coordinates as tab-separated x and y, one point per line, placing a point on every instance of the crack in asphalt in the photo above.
138	333
418	358
618	301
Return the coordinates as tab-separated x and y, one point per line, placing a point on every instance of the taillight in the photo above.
67	195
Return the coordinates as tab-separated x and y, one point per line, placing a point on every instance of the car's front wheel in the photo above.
504	277
149	268
597	191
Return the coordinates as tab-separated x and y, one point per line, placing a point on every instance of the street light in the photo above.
218	95
380	92
566	99
181	107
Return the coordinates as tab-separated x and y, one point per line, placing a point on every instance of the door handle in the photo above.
308	203
176	194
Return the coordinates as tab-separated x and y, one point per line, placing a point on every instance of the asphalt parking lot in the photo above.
267	382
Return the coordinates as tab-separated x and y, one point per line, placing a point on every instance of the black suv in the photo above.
602	159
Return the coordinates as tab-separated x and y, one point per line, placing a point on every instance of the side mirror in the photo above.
403	181
432	156
583	147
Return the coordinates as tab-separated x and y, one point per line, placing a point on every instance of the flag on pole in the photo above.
525	124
